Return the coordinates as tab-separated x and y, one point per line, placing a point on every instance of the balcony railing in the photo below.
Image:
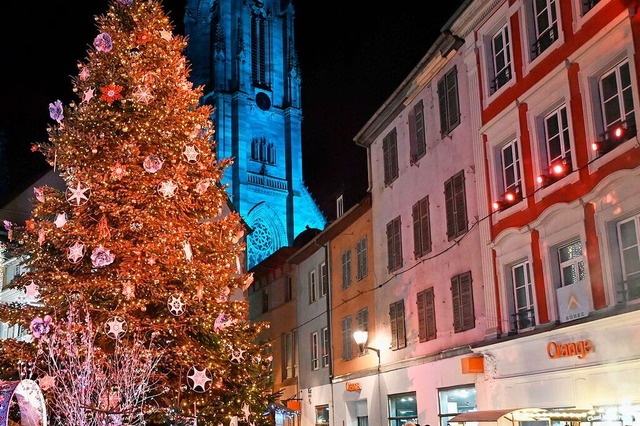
268	182
628	290
546	39
523	320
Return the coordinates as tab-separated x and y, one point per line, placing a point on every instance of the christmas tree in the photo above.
142	239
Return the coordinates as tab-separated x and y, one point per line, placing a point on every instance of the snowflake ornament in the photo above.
198	380
75	252
32	291
237	356
202	186
79	195
167	189
116	327
191	154
39	193
176	304
142	94
188	252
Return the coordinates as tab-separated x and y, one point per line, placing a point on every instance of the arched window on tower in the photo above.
263	151
259	49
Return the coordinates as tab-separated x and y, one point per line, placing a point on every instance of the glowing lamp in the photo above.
509	198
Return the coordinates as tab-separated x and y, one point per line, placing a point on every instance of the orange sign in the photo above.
578	349
353	387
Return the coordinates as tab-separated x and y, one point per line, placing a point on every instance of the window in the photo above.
426	315
324	279
325	347
500	59
263	151
571	263
346	269
403	408
542	24
523	302
259	54
417	141
363	319
394	245
313	286
448	101
315	351
616	99
454	401
347	338
462	298
265	300
322	415
511	172
361	258
557	140
421	227
398	330
390	156
587	5
629	242
339	206
288	289
456	207
289	357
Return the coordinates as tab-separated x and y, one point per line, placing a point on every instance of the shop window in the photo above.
403	408
322	415
453	401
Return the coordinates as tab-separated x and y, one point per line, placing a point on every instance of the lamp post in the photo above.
361	337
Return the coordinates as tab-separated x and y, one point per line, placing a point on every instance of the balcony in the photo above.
628	291
267	182
523	320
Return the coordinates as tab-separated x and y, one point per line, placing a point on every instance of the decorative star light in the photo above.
46	382
246	410
117	327
61	220
84	74
188	253
176	305
128	291
32	290
220	323
198	379
41	236
167	189
88	95
191	153
202	186
75	252
166	35
78	195
143	95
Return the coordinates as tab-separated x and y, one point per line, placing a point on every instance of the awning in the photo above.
481	416
523	414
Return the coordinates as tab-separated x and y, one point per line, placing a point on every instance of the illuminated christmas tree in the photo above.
142	237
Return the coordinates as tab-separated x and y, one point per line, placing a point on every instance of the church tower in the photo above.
242	52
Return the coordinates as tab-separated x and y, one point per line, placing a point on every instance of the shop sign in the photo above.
353	387
579	349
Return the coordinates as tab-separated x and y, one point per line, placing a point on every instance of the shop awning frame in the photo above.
522	414
481	416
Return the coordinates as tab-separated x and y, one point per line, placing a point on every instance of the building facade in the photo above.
243	54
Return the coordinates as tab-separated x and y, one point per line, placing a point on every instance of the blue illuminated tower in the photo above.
243	53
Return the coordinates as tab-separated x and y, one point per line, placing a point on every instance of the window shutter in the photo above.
390	256
400	326
452	99
386	159
421	147
466	296
430	313
422	317
425	226
442	103
449	201
413	137
394	326
460	204
393	154
457	304
417	237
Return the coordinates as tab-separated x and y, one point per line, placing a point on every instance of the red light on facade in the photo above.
558	169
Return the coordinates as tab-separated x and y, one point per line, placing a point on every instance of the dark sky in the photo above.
351	58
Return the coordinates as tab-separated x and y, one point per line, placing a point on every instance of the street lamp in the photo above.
361	337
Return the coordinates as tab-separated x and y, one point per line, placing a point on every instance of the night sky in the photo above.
351	61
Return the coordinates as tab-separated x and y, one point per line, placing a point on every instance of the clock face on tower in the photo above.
263	101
